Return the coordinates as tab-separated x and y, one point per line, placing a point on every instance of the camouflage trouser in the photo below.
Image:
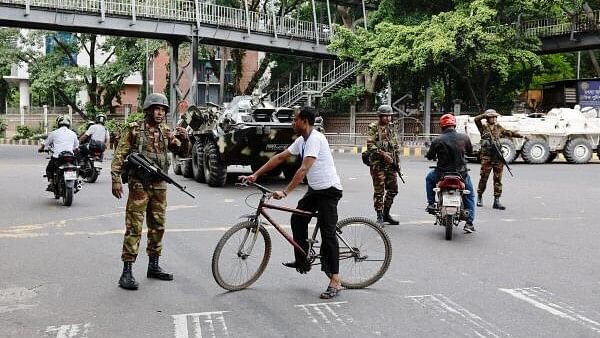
487	165
384	182
144	199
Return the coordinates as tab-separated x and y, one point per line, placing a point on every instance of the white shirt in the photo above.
62	139
98	133
322	174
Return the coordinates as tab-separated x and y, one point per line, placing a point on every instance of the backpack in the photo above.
366	157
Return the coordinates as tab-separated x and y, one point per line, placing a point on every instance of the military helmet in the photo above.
101	118
156	99
491	113
89	124
63	120
385	109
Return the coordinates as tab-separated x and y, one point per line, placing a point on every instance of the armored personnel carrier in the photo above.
572	132
249	131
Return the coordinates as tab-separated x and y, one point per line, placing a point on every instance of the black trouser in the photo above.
51	167
325	203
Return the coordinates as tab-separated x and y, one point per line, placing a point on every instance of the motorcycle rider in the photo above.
97	134
490	158
154	139
61	139
383	146
449	150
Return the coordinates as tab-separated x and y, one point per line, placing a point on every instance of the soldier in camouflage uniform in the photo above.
491	133
152	138
384	151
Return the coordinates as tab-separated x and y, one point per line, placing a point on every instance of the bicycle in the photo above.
365	249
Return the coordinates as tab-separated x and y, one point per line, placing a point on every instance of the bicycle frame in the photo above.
260	211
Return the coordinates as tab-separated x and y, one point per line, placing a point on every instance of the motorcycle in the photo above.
91	162
65	178
449	209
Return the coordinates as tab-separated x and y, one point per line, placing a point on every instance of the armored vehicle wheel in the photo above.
578	151
509	152
186	168
215	172
535	151
176	166
198	162
552	157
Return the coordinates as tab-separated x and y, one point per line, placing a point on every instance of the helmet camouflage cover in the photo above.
156	99
385	109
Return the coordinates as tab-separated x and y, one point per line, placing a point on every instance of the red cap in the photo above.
447	120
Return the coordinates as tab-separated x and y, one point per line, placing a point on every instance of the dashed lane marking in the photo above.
213	323
548	302
69	331
326	317
452	313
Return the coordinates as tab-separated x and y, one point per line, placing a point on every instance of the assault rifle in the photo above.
396	167
499	154
149	171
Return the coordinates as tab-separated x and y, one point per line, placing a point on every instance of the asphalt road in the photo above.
529	271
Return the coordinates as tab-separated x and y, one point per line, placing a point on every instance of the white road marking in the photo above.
229	200
14	299
546	301
214	323
70	330
324	315
451	312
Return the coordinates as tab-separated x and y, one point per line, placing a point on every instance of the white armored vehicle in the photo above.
573	132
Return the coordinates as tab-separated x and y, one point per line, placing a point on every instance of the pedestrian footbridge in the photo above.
172	20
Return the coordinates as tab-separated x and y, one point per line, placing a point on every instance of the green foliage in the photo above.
26	132
3	126
554	68
340	101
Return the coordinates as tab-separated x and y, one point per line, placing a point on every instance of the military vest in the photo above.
384	140
145	147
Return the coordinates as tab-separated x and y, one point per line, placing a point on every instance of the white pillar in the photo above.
46	119
23	98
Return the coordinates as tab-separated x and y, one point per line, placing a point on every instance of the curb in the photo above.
19	142
404	151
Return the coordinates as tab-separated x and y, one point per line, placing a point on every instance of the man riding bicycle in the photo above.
323	195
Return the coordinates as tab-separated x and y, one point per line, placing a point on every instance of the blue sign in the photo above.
589	93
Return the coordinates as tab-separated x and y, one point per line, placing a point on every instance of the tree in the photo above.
111	61
8	56
456	42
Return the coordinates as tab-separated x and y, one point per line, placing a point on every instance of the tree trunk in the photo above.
237	55
344	13
93	84
467	81
370	82
264	64
3	95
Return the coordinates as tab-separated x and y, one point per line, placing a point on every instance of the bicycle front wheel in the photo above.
365	252
241	256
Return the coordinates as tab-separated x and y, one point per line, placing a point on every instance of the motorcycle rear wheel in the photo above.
68	197
449	225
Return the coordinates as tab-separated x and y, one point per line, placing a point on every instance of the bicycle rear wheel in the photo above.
241	256
365	252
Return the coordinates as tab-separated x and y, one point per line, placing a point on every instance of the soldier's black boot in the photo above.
380	217
479	202
388	218
155	271
497	204
127	281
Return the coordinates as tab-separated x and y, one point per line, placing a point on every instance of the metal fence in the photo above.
186	11
357	140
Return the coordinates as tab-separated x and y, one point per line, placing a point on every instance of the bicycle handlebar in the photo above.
260	187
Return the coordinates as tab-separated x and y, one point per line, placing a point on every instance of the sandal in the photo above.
330	293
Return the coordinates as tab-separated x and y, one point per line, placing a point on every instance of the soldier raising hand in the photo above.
491	133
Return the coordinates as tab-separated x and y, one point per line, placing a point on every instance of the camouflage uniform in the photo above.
145	196
490	159
383	174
